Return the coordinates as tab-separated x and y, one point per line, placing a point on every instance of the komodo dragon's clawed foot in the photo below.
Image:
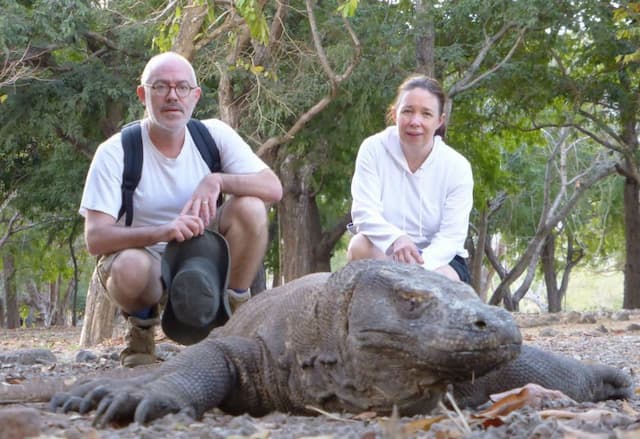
119	401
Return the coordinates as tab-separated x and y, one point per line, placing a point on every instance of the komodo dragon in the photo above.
370	336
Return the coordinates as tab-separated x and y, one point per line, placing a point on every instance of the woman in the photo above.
412	193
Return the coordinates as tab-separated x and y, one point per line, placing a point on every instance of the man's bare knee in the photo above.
134	280
250	213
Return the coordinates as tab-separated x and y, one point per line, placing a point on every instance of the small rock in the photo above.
164	351
550	318
621	316
548	332
586	319
573	317
78	432
84	356
633	327
28	357
111	355
19	422
602	329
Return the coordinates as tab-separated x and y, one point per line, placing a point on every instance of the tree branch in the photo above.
334	80
601	126
468	80
13	220
333	235
79	146
599	169
25	65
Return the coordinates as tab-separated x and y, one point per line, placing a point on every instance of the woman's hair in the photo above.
425	83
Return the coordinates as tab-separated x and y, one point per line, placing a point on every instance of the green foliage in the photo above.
80	89
24	311
331	140
348	8
628	17
84	91
253	15
168	31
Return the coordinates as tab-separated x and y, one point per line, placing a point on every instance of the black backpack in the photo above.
132	145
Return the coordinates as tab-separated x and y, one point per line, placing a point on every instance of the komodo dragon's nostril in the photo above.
480	324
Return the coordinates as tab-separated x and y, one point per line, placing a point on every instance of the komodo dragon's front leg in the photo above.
198	379
576	379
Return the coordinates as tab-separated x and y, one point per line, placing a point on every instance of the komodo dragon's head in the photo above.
409	324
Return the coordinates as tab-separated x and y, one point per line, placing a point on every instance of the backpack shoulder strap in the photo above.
131	138
205	143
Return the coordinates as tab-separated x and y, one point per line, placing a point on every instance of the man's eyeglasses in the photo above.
162	89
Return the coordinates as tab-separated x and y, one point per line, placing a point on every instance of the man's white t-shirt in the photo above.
166	184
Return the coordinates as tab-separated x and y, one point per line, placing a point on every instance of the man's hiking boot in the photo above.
232	300
141	345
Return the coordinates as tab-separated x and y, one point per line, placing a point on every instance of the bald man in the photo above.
174	200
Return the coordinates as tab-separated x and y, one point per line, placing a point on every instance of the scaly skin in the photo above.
580	381
370	336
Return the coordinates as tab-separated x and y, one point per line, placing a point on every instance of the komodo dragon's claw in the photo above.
154	407
123	406
116	407
60	400
72	404
93	399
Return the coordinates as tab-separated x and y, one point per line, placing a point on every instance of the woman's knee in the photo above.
448	271
361	247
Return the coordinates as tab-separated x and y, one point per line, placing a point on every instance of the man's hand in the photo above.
405	251
203	201
184	227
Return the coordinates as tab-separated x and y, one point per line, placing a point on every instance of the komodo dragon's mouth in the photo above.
450	362
478	361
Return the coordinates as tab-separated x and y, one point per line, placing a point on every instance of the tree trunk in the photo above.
193	15
548	259
1	312
562	205
425	39
557	291
632	237
478	253
54	294
11	293
99	314
64	303
300	230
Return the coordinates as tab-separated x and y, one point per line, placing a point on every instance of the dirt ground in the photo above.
612	338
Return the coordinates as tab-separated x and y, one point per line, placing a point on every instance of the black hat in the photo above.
196	274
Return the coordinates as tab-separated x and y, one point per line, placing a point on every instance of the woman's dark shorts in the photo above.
459	264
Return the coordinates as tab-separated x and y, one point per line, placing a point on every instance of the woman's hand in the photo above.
404	250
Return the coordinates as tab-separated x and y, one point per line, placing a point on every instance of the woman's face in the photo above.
418	117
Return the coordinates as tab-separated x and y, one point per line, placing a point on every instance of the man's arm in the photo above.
103	236
264	185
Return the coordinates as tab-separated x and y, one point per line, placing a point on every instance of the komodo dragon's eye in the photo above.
411	302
